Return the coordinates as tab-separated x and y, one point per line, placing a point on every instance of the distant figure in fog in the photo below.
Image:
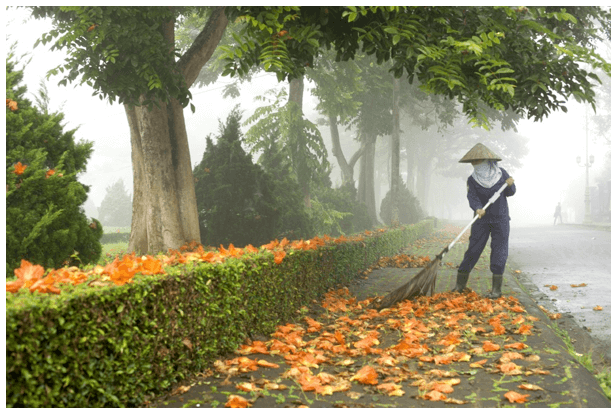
558	213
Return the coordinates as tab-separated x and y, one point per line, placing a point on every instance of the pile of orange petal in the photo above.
122	270
348	339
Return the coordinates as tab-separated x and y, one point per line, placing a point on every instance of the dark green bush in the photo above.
45	223
294	220
343	200
116	346
238	201
408	206
234	196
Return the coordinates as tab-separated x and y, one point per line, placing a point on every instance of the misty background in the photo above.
549	172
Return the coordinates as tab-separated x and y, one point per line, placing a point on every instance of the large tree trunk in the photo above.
295	94
346	167
423	182
411	171
164	212
366	178
395	177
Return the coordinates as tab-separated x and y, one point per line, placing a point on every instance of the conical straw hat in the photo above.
480	152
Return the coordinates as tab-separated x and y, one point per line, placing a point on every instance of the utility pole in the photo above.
589	160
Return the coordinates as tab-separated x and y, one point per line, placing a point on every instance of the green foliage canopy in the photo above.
527	59
121	52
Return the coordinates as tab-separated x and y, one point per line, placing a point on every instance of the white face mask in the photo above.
487	173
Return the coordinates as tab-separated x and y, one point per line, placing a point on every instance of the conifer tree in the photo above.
45	223
116	208
234	196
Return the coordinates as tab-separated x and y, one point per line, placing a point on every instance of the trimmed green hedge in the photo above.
115	238
115	346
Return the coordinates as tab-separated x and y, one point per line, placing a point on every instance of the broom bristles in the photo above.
422	284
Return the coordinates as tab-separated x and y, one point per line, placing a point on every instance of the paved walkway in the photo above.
448	350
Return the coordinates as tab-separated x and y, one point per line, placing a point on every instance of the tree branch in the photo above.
191	62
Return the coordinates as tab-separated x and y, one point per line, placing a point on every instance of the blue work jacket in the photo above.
478	196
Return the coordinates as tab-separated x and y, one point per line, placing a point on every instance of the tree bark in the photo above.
295	94
138	227
164	212
346	167
395	177
411	166
366	178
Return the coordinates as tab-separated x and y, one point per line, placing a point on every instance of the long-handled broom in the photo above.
424	282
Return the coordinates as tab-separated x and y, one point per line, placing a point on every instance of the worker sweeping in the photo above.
484	182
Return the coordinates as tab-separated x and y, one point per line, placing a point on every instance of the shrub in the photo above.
408	206
294	220
345	215
113	346
235	197
45	223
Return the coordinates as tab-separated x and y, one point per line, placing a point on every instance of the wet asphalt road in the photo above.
563	255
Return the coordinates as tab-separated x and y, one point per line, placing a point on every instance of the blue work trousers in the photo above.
479	235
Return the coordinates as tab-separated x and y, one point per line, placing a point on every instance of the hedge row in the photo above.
115	238
114	346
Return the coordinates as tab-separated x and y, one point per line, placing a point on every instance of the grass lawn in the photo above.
111	250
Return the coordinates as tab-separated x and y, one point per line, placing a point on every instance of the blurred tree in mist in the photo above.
116	208
502	58
409	208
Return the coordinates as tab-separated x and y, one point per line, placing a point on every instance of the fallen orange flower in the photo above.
309	382
366	375
530	387
278	256
45	285
29	273
266	364
516	345
434	396
391	389
237	401
247	386
314	326
489	346
256	347
510	368
515	397
525	330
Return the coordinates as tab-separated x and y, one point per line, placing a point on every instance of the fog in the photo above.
549	173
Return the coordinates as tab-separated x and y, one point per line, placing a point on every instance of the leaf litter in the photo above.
419	349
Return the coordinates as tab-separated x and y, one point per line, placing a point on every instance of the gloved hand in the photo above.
480	212
510	181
